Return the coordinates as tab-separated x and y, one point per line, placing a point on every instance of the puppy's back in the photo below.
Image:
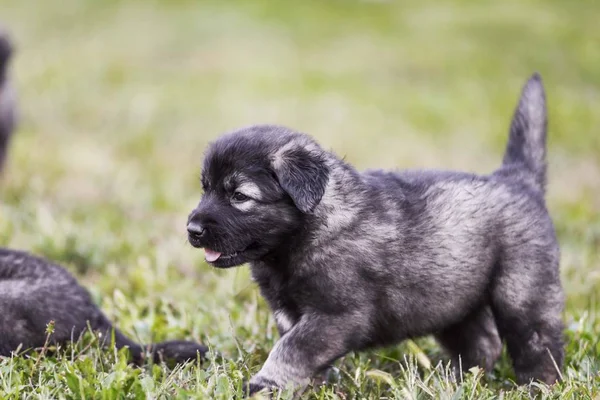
34	292
455	215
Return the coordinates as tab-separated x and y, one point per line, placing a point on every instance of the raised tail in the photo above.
525	155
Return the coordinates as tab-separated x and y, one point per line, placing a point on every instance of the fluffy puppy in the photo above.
7	97
34	291
349	261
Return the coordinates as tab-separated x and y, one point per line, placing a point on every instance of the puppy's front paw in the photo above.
327	376
252	388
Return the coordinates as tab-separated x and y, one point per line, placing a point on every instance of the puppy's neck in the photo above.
339	207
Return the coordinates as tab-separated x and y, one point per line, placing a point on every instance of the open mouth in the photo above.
222	260
212	256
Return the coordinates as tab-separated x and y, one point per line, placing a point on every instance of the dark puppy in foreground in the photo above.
349	261
34	291
7	97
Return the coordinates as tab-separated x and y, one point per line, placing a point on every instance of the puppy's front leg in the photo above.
313	343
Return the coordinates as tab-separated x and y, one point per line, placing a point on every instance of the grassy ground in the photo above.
119	99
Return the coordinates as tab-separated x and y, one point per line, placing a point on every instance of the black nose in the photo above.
195	230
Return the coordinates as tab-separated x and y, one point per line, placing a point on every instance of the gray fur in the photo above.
8	108
34	292
349	261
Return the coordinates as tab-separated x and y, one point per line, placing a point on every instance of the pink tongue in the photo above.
211	256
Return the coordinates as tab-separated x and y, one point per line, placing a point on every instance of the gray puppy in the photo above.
34	291
349	261
7	97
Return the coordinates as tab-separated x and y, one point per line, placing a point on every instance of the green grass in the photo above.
119	99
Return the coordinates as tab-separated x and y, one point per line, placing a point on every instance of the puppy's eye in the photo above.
239	197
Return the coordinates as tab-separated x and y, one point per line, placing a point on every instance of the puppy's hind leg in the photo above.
474	341
527	301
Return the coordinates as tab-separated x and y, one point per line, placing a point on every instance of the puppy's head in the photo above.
260	183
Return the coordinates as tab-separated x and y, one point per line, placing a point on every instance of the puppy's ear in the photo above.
303	174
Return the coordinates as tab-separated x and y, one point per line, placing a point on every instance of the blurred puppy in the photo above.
7	97
349	260
34	292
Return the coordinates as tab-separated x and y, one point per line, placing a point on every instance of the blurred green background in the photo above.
119	98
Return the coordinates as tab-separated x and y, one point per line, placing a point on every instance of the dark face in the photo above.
241	217
255	195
